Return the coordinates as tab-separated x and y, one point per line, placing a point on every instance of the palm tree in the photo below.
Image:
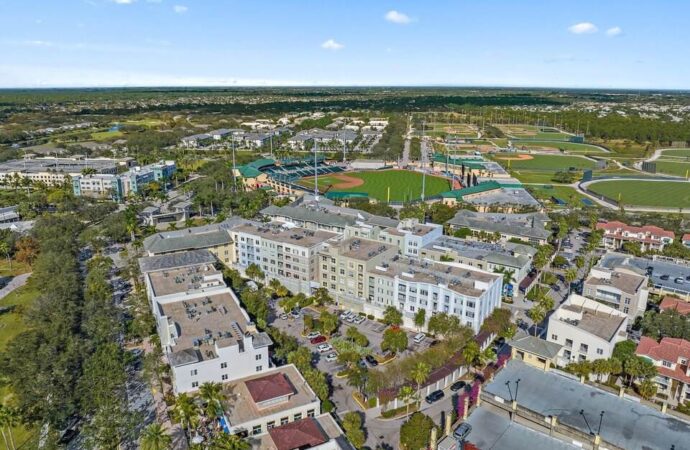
212	394
5	250
406	393
470	353
228	442
508	275
154	437
186	412
277	288
570	276
420	373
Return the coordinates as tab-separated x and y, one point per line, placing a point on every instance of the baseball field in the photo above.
404	184
667	194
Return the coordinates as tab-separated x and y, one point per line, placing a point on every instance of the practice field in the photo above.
546	162
567	146
448	129
404	184
106	135
679	168
676	152
668	194
533	132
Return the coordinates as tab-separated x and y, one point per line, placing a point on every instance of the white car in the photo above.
332	357
313	334
323	348
360	319
345	315
351	318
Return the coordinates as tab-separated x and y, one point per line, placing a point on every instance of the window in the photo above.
600	351
569	343
193	372
257	357
310	413
256	430
554	337
224	377
566	354
259	368
584	348
666	363
298	416
271	424
283	420
223	365
195	384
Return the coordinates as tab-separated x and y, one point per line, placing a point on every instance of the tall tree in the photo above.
154	437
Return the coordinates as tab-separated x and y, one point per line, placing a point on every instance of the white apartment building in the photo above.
205	334
586	329
409	235
284	252
619	288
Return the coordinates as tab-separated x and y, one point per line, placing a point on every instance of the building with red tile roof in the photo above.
670	356
686	239
649	237
303	433
670	303
272	388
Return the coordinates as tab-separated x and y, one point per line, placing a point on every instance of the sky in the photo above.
526	43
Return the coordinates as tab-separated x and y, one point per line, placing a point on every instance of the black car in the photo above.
455	387
664	277
434	397
371	360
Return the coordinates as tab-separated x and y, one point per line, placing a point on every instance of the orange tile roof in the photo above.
668	349
651	229
679	305
299	434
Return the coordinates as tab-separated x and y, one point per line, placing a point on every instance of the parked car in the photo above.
318	340
419	337
295	313
323	348
332	357
283	316
371	360
434	397
345	315
313	334
351	318
362	364
664	277
455	387
679	280
359	319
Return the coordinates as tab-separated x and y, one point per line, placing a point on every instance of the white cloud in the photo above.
180	9
332	45
583	28
124	2
36	43
614	31
397	17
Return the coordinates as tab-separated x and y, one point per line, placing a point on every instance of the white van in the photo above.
419	338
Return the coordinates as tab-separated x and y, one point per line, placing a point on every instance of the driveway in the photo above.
16	282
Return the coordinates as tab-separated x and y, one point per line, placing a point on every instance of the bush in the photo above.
327	406
370	316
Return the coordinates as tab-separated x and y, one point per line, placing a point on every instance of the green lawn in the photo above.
547	162
106	135
403	184
11	324
676	152
668	194
672	167
545	192
567	146
534	176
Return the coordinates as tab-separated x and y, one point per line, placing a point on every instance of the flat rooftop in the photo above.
626	282
360	249
505	196
626	424
181	279
598	323
241	408
659	268
510	253
528	225
177	260
286	235
66	165
202	324
458	279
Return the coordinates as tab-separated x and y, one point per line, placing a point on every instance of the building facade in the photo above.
649	237
619	288
670	356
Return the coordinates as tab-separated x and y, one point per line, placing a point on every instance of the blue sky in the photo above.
576	43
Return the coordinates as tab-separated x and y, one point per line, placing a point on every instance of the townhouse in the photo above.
670	356
586	329
409	236
215	238
649	237
528	227
622	289
204	332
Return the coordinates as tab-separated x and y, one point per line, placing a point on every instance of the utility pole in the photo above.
234	173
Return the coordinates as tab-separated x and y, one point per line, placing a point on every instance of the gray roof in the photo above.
537	346
626	424
327	215
504	255
188	239
184	357
175	260
261	340
528	225
659	268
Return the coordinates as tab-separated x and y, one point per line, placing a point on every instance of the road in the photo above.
16	282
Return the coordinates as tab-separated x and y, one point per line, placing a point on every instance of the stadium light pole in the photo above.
316	173
234	169
421	148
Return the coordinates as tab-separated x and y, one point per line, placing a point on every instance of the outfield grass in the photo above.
545	192
668	194
532	176
106	135
548	162
404	184
672	167
567	146
676	152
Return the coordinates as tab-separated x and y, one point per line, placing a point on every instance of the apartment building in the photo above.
284	252
670	356
510	257
649	237
409	236
324	215
196	140
619	288
586	329
120	186
215	238
205	334
529	227
55	171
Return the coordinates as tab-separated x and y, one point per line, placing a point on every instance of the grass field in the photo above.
667	194
145	122
672	167
106	135
546	191
11	324
552	163
676	152
567	146
404	184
